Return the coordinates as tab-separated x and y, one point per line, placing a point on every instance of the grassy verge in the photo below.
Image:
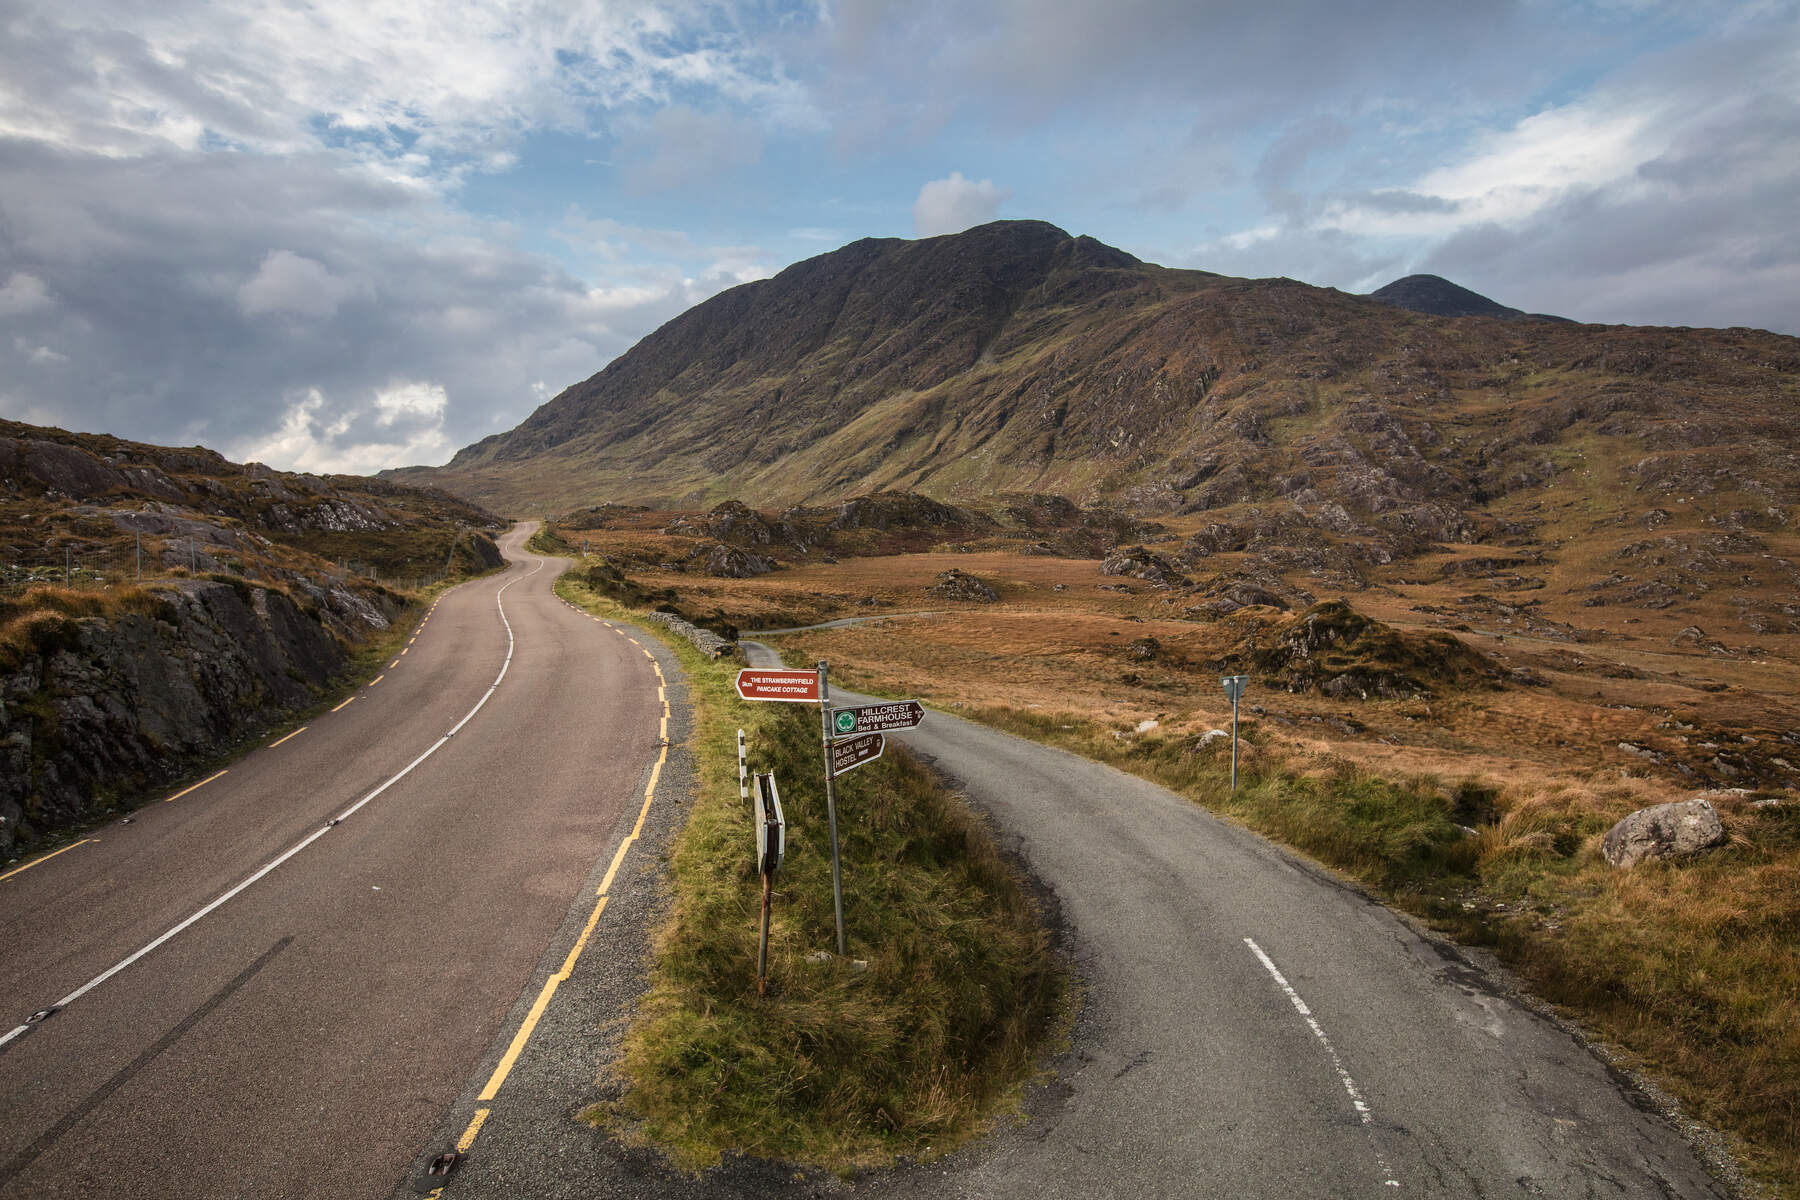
842	1065
1688	968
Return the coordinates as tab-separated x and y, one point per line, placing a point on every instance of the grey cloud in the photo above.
1300	141
1399	200
1705	236
148	260
1218	60
679	147
1327	257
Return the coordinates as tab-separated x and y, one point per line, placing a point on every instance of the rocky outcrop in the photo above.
728	562
95	711
1664	831
1137	562
1335	650
959	585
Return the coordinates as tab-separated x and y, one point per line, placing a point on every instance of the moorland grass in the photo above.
910	1045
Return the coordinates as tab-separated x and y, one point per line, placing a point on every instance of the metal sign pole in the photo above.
762	949
837	883
1234	687
1234	742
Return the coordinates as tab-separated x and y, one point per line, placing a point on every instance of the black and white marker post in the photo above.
743	771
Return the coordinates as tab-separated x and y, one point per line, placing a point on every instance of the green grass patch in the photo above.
838	1066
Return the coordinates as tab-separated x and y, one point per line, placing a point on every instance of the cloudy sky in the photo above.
352	234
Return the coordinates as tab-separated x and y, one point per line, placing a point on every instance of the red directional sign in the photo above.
778	683
854	752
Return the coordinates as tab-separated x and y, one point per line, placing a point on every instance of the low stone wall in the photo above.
710	643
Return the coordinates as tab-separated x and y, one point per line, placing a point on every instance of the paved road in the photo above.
306	1036
1256	1029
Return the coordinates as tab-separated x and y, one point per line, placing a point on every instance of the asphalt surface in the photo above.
309	1035
1256	1028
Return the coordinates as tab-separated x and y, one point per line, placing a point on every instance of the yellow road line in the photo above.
529	1025
46	858
345	702
296	733
393	664
397	661
376	680
468	1138
184	791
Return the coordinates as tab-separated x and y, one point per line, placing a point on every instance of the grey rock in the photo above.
1664	831
959	585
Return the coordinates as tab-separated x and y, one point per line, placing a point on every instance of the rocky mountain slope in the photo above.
256	587
1014	357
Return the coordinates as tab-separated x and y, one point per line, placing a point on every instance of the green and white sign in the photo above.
877	718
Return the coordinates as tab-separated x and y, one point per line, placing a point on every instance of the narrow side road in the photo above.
1254	1028
276	984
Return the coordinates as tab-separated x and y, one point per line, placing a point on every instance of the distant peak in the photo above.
1439	297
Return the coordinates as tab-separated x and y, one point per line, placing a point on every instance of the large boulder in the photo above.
1664	831
728	562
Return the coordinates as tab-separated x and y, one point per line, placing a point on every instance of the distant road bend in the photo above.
275	984
1257	1029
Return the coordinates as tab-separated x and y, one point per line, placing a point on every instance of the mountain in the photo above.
1014	357
1438	296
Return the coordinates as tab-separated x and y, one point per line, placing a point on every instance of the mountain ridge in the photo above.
1014	357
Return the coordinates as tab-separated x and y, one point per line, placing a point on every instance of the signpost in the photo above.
771	846
861	727
781	683
1234	687
875	718
851	754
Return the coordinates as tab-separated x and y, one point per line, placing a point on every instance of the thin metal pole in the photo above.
837	883
1234	740
762	950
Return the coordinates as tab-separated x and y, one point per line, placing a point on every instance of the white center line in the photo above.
308	840
1363	1111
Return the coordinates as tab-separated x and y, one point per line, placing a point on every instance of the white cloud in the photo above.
954	204
428	89
293	284
316	436
22	294
412	401
45	356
